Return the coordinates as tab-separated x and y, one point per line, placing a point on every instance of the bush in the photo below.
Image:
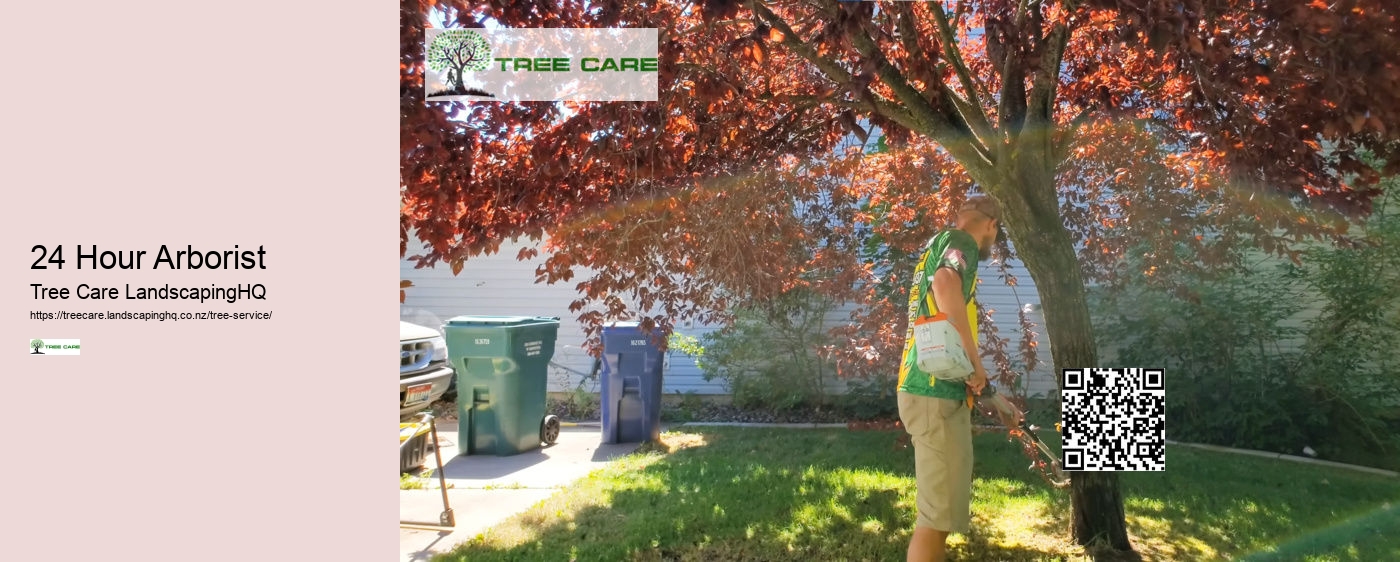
871	399
1278	357
1350	360
1225	366
689	345
685	408
768	358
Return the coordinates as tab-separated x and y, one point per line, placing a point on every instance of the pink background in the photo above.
129	126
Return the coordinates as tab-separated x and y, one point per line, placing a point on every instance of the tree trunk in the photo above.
457	82
1035	227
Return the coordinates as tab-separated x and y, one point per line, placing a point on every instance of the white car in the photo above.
424	372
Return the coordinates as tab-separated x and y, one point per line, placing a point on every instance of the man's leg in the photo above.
928	544
925	419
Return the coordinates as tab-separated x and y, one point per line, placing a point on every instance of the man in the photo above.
938	414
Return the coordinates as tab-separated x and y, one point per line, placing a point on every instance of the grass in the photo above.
410	482
731	494
463	92
510	486
425	480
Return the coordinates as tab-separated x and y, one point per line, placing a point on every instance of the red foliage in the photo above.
1102	126
1150	119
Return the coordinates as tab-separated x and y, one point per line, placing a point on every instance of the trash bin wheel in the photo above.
549	429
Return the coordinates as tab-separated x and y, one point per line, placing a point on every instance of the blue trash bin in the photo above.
631	385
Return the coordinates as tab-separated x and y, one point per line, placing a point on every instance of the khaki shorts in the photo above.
941	432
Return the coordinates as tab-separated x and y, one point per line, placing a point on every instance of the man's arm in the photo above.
947	294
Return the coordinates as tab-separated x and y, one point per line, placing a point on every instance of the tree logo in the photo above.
52	347
457	52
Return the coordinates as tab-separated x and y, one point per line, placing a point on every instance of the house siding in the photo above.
1005	303
1310	307
500	285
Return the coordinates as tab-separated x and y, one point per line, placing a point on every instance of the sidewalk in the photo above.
484	490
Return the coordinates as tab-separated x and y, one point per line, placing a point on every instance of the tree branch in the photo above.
944	125
1041	111
1042	105
978	117
1021	12
1071	132
1082	118
819	100
1012	87
907	34
703	28
894	78
913	112
828	67
971	111
982	131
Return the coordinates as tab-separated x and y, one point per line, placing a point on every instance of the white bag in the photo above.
940	350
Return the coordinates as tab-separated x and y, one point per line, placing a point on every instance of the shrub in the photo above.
1278	356
1227	373
1350	360
872	398
769	356
685	408
582	402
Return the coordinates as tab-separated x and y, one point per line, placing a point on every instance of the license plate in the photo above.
417	394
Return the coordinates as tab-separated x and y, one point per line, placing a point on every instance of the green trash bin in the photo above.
502	365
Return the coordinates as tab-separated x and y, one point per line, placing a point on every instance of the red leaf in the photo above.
1195	44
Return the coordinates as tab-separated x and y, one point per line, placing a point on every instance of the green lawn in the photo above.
722	494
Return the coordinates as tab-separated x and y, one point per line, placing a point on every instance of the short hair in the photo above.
972	216
984	205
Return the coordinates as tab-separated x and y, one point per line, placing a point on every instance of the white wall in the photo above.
499	284
1005	303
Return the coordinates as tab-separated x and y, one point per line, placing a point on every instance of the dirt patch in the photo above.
731	413
674	441
444	410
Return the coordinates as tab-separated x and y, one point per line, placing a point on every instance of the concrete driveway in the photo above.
485	490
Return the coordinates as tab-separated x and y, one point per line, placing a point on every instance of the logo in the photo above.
955	257
457	52
541	64
53	347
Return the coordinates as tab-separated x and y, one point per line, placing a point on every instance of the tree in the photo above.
458	51
1195	124
36	344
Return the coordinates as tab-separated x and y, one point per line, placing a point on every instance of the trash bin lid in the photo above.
497	320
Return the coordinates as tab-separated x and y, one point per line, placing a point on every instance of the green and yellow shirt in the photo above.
956	250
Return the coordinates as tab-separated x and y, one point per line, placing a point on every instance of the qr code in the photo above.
1114	420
